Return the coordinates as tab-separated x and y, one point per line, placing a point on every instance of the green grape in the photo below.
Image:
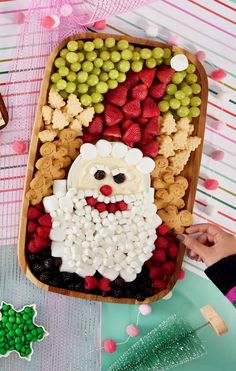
64	52
182	111
96	71
151	63
71	76
137	66
196	88
177	78
191	68
185	101
126	54
99	107
102	87
63	71
136	56
92	89
131	47
80	56
105	55
112	84
110	42
92	80
98	43
72	57
122	44
96	97
61	84
115	56
113	49
113	74
82	88
55	77
195	101
85	100
163	106
167	97
174	103
183	84
121	77
87	66
167	53
98	62
59	62
103	49
167	61
124	66
75	66
157	53
72	46
187	90
91	56
191	78
178	51
104	76
137	49
80	44
108	66
159	61
71	87
171	89
64	94
179	94
88	46
145	53
194	111
82	76
54	87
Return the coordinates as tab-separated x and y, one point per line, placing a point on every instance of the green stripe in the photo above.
215	92
216	172
216	199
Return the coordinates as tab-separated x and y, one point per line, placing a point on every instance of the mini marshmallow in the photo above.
179	62
108	273
86	270
118	198
146	165
59	186
66	204
134	156
65	267
57	234
50	203
103	148
119	150
100	198
57	248
128	277
88	151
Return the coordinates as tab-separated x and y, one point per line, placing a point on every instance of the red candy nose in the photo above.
106	190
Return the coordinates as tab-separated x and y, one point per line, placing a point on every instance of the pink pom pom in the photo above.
18	18
201	55
211	184
19	147
218	125
109	346
132	330
173	40
99	25
181	274
217	155
145	309
218	75
66	10
47	22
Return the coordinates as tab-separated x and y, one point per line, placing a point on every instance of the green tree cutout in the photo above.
18	330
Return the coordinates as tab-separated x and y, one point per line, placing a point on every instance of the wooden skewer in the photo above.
3	114
214	319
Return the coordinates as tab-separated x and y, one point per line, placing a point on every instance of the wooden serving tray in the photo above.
191	170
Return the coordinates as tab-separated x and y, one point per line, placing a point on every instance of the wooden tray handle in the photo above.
214	319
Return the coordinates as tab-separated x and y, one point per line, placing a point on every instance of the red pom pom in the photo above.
161	242
159	284
32	226
33	213
211	184
100	206
159	255
122	205
18	18
46	220
47	22
162	230
132	330
201	55
106	190
19	147
100	25
218	75
91	201
109	346
90	283
168	268
217	155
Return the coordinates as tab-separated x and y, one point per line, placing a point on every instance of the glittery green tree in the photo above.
18	330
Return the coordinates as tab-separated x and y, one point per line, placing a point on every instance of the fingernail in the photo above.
180	237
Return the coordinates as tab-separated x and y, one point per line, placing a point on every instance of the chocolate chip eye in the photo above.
119	178
99	175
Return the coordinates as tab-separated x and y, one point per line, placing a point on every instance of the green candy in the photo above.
19	332
18	340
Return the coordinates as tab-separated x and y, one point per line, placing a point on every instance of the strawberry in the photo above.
149	108
117	96
161	242
89	138
126	124
159	284
90	283
46	220
150	148
43	231
159	255
112	114
112	131
96	126
139	92
142	121
31	226
131	80
40	207
155	272
147	76
153	127
132	109
162	230
132	134
172	250
103	284
157	90
168	268
33	213
145	137
166	75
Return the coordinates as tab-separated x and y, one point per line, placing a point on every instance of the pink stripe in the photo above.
11	189
25	93
221	135
13	177
10	202
19	82
25	9
199	18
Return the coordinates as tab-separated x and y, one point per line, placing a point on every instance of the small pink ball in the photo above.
109	346
218	125
18	18
217	155
99	25
19	147
145	309
47	22
218	75
173	40
211	184
201	55
132	330
66	10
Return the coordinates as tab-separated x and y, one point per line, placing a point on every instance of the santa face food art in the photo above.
104	218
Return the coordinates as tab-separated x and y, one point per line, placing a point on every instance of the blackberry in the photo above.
37	267
129	293
66	277
143	273
71	286
55	282
57	262
146	281
45	277
45	253
105	294
48	263
148	291
32	258
118	282
118	293
140	296
79	286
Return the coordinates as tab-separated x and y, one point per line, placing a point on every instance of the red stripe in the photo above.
13	177
219	212
226	5
212	11
222	109
26	93
214	118
11	190
212	222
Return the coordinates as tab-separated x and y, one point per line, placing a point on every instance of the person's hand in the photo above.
212	244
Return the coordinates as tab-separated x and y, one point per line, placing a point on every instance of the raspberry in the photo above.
159	255
40	207
161	242
100	206
32	247
122	205
159	284
91	201
31	226
41	242
46	220
155	272
149	263
43	231
168	268
172	250
170	238
106	190
33	213
111	208
103	284
162	230
90	283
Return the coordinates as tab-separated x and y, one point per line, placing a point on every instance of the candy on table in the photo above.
217	155
201	55
99	25
218	75
211	184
